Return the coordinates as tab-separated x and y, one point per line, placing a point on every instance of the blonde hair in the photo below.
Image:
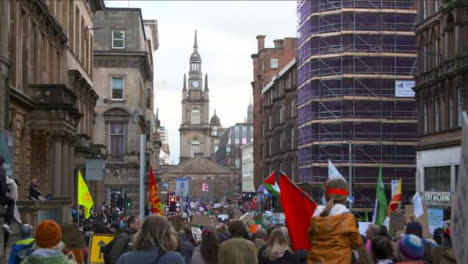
277	245
155	231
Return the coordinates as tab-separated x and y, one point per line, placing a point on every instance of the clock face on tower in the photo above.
195	84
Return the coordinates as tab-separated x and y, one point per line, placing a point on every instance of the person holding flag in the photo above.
84	196
333	232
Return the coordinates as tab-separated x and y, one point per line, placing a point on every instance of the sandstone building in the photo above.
50	90
198	133
123	66
441	95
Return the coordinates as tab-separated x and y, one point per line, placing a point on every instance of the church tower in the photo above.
195	130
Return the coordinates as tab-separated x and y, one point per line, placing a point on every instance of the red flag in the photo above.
154	194
298	210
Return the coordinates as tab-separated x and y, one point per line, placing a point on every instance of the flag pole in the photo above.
142	175
350	152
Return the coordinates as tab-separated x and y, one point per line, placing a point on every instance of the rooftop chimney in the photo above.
279	43
260	42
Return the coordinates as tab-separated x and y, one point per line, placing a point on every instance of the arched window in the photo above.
195	147
195	117
422	55
450	38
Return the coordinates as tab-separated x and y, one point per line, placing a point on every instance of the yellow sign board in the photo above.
97	242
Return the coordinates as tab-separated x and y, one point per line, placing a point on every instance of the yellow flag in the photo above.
84	197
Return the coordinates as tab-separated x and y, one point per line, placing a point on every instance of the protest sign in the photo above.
397	223
96	244
71	236
459	223
363	227
409	215
435	218
197	233
248	219
201	220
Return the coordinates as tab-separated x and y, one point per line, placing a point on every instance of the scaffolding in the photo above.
351	54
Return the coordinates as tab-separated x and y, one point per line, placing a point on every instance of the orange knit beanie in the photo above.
48	234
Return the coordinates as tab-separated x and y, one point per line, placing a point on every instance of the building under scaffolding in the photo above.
356	60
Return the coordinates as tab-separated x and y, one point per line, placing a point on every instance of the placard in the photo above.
409	215
72	237
201	220
363	227
404	88
397	223
96	244
435	218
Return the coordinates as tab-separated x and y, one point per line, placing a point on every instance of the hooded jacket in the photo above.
151	256
332	238
47	256
121	244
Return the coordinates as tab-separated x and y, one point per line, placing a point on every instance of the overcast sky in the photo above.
226	39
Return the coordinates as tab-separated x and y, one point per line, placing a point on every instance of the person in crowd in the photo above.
115	228
333	232
238	249
155	242
259	238
382	250
383	231
371	232
438	235
411	250
415	228
277	250
207	251
49	246
184	246
123	242
34	192
22	248
5	198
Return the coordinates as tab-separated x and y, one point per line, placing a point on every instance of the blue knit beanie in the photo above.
411	247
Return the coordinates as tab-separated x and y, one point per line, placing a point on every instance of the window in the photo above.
270	123
436	5
195	118
237	162
436	52
118	39
424	9
460	105
280	110
292	107
195	147
236	134
436	115
216	148
228	149
450	111
425	119
244	135
293	138
117	139
292	170
274	63
214	132
117	85
425	66
437	179
269	147
281	140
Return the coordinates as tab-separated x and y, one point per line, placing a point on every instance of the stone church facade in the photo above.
198	133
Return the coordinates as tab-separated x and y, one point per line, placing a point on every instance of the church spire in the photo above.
206	82
195	45
185	83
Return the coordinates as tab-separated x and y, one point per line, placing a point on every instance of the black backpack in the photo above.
107	248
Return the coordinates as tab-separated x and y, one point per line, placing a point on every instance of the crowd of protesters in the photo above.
333	234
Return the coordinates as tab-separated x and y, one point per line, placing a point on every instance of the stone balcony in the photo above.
447	68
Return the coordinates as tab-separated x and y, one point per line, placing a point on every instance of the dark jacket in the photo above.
3	182
186	249
152	256
121	244
287	258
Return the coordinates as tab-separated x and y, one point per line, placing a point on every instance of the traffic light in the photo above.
128	203
172	203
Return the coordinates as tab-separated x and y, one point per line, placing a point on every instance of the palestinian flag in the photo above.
271	184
